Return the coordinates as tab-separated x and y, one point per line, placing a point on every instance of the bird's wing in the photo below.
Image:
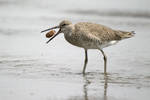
97	32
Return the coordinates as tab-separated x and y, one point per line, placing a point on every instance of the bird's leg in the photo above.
85	62
105	61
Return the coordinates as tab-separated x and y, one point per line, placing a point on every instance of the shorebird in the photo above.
90	36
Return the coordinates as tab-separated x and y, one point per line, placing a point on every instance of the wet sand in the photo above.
31	69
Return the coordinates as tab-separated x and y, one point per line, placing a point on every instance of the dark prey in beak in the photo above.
54	35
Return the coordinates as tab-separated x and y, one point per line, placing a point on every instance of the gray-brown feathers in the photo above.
102	32
91	35
124	34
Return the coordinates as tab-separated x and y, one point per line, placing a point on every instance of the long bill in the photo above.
50	29
54	35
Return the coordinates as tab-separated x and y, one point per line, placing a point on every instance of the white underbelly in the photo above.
106	44
93	45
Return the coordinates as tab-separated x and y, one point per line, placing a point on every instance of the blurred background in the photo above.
22	21
25	57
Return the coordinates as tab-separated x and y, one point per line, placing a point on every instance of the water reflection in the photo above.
88	82
85	87
105	87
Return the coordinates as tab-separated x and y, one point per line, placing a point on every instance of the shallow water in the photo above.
31	69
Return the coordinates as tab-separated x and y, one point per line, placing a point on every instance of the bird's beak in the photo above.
51	29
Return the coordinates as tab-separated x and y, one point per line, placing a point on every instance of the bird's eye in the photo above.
64	24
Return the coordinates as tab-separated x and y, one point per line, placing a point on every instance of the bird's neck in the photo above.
71	36
69	31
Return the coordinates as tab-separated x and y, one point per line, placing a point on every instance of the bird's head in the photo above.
64	27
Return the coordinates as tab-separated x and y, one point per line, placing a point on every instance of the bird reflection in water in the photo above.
105	88
87	83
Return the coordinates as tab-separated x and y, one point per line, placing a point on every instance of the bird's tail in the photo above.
124	34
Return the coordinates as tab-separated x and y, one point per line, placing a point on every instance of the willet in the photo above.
90	36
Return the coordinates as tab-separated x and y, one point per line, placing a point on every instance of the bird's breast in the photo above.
81	41
73	39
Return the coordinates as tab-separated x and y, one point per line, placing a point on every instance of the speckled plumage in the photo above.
91	36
